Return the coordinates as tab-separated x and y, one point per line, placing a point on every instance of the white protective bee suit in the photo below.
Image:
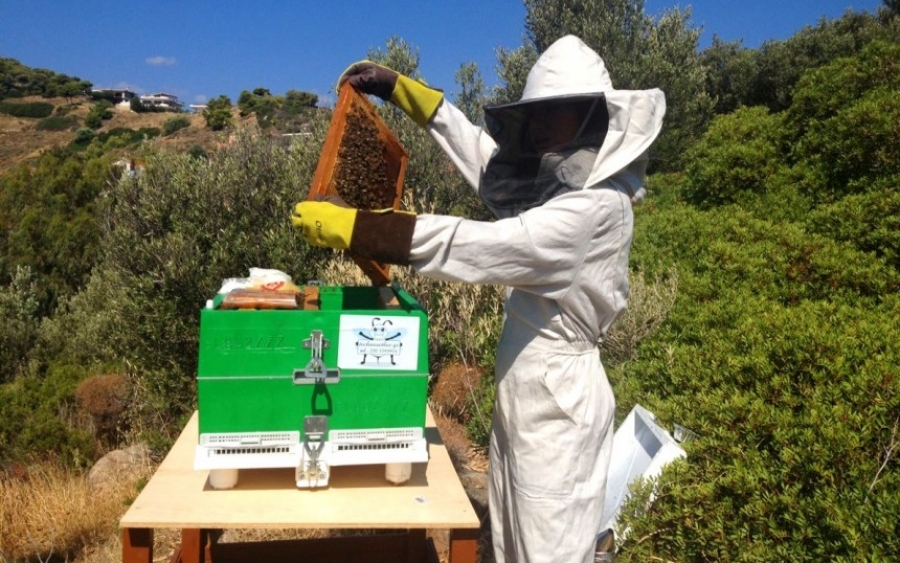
560	245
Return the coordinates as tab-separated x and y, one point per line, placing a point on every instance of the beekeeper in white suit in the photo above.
560	168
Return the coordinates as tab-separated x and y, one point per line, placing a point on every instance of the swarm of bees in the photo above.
361	175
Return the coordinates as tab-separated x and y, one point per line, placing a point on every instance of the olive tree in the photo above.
512	69
471	97
218	113
731	73
780	64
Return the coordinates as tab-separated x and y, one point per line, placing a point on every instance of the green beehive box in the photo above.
357	364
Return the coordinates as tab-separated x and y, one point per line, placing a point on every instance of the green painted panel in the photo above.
259	404
247	362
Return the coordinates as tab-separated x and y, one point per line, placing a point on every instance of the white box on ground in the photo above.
641	448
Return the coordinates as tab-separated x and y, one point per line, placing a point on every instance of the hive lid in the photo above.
363	163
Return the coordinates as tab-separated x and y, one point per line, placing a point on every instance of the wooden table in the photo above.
358	497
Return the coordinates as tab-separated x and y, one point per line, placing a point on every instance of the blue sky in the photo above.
198	50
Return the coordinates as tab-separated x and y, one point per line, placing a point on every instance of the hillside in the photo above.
21	140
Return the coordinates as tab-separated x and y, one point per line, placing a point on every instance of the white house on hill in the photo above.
118	97
163	101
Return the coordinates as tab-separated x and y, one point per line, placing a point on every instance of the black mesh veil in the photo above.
518	177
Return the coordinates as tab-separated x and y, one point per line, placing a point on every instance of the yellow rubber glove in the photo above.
325	224
416	99
384	235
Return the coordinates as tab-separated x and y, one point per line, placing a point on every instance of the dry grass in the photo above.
48	512
649	304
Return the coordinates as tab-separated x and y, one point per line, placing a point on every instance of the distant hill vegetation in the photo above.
41	110
18	80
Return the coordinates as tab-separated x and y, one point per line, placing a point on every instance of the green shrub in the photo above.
855	146
796	411
780	65
48	210
87	328
17	80
288	113
822	92
40	417
84	136
218	113
125	136
174	124
198	152
98	113
149	132
839	135
103	95
297	102
37	110
57	123
731	247
66	109
19	307
870	222
778	353
736	158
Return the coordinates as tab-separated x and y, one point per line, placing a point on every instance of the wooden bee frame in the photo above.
363	163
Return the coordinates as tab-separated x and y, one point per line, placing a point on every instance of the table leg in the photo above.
463	546
137	545
194	545
416	545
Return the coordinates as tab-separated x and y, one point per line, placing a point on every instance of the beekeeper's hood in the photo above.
617	128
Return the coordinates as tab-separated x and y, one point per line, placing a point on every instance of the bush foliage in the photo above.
40	417
18	80
287	113
27	109
100	112
765	289
57	123
124	136
19	306
218	113
736	158
174	124
49	213
780	351
792	393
